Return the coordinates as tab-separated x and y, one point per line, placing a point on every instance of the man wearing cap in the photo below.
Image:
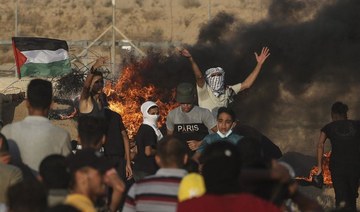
90	173
159	192
189	122
212	91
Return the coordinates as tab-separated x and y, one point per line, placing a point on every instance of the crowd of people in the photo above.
201	163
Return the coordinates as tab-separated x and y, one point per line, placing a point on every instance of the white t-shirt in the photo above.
36	137
208	100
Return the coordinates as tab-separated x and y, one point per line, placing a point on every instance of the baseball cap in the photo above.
185	93
192	185
88	158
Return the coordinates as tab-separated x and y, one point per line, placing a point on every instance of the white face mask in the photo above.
152	118
224	135
149	119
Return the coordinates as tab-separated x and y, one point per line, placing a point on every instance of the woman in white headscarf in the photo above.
211	90
146	139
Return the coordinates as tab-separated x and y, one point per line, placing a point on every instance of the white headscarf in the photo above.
151	120
216	83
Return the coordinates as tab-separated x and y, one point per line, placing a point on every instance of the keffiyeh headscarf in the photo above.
149	119
216	83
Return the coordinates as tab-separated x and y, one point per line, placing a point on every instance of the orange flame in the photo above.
325	171
129	92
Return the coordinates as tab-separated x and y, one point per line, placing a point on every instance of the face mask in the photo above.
215	79
152	118
224	135
216	83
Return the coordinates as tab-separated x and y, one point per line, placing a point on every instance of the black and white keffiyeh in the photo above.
215	78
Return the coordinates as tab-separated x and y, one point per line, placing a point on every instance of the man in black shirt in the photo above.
344	164
116	146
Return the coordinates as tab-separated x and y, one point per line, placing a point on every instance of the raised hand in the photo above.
185	53
265	53
100	62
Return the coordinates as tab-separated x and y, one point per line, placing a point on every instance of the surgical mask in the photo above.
222	135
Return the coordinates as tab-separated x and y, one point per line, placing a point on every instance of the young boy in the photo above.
225	123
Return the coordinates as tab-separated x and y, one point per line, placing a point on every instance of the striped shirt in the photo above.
156	192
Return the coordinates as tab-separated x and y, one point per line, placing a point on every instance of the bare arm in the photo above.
320	151
253	75
112	180
85	102
196	157
170	132
85	93
200	81
194	144
127	154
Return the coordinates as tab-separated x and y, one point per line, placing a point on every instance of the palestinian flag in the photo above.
42	57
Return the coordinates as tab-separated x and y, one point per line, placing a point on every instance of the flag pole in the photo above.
16	18
113	38
17	75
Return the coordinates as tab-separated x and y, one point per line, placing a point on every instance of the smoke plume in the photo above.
314	62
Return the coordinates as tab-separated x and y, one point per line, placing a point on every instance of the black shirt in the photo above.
96	111
344	136
114	145
145	136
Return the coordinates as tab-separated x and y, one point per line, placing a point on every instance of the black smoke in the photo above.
304	52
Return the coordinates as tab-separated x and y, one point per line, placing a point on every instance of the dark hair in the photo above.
155	106
252	155
97	73
4	148
27	196
53	170
39	93
91	129
228	111
221	169
192	166
62	208
339	108
171	151
103	100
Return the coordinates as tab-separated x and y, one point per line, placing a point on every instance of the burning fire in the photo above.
130	91
325	171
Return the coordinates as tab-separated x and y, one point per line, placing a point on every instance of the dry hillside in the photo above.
140	20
